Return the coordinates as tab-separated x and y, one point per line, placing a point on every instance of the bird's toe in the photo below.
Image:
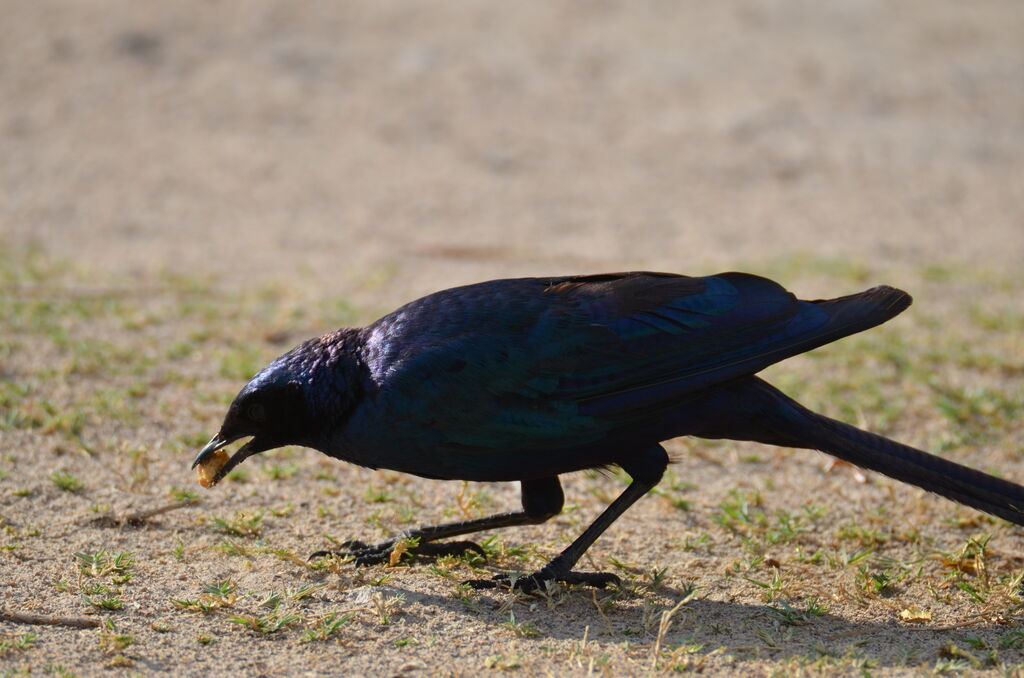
365	555
354	545
598	580
448	548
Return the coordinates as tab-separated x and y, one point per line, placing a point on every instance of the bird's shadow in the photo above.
701	626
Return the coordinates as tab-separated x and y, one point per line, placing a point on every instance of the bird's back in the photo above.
535	365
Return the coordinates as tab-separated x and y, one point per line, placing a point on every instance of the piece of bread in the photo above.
209	467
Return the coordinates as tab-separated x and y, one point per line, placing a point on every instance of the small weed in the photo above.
326	627
268	623
272	601
67	482
466	594
381	580
772	589
378	495
242	525
280	471
101	564
656	578
110	603
113	642
183	494
794	617
305	591
234	548
12	644
214	597
520	629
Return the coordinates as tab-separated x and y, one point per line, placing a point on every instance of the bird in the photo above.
527	379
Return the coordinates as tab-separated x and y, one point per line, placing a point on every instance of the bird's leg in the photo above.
541	498
646	471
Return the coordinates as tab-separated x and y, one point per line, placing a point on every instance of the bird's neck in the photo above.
338	383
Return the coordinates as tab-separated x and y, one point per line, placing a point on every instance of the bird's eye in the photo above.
256	413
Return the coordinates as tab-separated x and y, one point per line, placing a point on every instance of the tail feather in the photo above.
794	425
935	474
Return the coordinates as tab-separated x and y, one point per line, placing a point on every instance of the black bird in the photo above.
529	378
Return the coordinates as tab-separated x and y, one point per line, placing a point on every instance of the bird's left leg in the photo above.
646	470
542	498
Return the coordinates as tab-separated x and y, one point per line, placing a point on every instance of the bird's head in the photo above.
289	402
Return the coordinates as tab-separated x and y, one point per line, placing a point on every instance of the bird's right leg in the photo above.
542	499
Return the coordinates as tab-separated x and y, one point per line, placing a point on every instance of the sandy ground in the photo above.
188	188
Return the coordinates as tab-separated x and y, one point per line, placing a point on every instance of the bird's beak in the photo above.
252	447
216	442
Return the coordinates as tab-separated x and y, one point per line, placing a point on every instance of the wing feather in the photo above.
543	364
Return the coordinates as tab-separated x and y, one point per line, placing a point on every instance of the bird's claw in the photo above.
365	555
541	580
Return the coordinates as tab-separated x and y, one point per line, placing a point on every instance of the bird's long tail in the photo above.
786	422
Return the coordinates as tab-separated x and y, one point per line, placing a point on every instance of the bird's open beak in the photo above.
216	442
244	452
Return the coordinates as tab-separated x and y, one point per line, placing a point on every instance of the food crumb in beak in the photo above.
208	468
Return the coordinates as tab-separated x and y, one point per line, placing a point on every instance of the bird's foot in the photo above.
390	552
542	579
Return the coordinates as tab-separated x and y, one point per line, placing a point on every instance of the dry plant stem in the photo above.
967	623
45	620
666	622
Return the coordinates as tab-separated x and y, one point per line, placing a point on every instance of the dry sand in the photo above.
188	188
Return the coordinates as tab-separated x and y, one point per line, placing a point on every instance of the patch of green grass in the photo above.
864	535
741	515
787	268
792	616
378	495
305	591
242	525
214	597
236	549
95	589
520	629
325	627
17	643
183	493
58	670
266	624
109	603
102	563
68	482
238	475
978	409
180	349
773	588
280	471
241	362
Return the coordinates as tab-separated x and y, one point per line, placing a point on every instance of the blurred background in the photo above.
392	148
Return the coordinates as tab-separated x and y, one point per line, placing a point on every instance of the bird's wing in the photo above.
567	361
